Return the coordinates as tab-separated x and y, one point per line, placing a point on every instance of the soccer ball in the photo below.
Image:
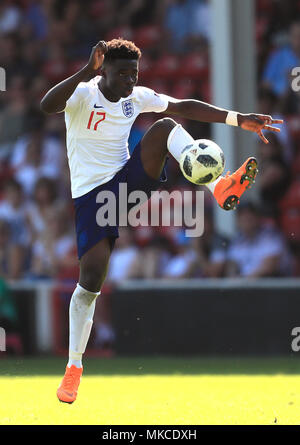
202	162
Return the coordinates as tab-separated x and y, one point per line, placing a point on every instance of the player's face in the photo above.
121	76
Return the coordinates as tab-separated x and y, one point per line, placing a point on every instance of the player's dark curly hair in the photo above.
122	49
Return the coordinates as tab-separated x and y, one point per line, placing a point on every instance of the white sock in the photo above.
178	139
81	312
211	186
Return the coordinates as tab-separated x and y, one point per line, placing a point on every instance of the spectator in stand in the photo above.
11	253
54	249
124	258
274	175
31	63
55	68
45	133
44	201
10	16
13	211
138	13
155	250
35	165
180	22
182	264
257	251
277	72
13	115
211	250
201	24
268	103
37	16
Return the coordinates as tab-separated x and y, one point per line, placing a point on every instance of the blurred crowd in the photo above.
43	42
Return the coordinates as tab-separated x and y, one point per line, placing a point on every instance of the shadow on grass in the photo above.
13	367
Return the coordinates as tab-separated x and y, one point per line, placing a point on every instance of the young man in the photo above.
99	115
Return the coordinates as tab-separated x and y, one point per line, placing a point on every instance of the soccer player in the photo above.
99	114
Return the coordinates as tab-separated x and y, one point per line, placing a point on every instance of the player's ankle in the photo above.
77	363
212	185
75	359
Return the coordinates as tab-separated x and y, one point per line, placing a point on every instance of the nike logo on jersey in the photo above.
98	106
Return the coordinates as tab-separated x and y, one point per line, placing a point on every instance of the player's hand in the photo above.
97	56
257	123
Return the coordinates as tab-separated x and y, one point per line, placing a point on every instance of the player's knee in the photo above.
92	277
94	266
165	124
155	140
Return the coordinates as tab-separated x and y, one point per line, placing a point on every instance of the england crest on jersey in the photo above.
127	106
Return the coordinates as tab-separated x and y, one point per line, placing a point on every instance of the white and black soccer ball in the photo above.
202	162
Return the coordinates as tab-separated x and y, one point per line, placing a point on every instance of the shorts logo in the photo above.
127	106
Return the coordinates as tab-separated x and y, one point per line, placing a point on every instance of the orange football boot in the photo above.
67	391
231	187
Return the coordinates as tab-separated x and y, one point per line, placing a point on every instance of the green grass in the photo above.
159	391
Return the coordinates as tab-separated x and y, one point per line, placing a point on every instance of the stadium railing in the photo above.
165	316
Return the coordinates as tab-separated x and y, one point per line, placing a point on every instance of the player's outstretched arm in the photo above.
55	99
257	123
203	112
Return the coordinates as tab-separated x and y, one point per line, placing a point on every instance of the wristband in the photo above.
232	119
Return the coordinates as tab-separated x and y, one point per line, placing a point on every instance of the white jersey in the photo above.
98	131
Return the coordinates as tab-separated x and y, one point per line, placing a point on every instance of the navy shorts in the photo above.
88	231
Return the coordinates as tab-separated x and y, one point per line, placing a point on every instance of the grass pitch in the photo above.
153	391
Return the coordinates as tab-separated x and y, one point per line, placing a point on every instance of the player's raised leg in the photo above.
93	270
228	189
154	149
